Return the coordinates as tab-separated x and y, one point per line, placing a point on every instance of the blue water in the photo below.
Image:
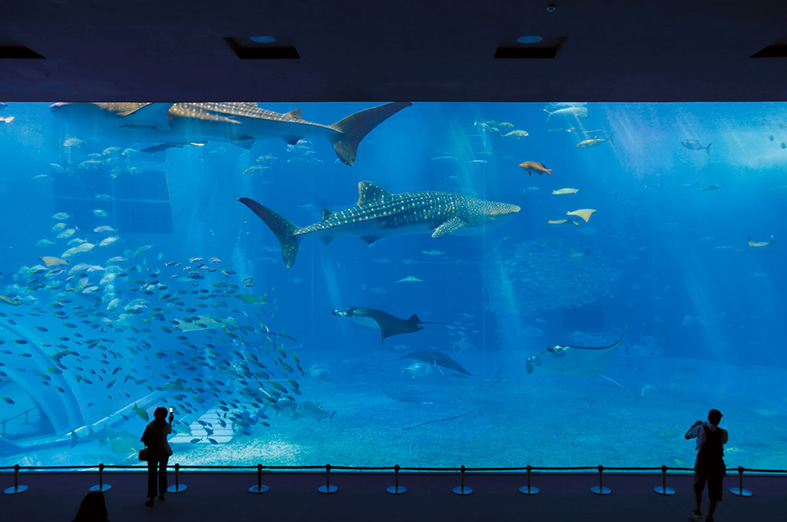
664	258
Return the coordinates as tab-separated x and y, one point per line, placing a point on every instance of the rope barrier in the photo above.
600	489
328	488
528	490
664	490
739	491
101	486
396	489
461	489
178	487
17	488
259	488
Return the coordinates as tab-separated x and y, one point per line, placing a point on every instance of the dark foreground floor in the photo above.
214	497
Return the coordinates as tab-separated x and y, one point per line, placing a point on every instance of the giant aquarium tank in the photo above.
435	284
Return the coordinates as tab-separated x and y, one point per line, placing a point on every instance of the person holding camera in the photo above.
709	466
158	452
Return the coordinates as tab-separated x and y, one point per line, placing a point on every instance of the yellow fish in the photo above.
8	300
51	261
584	213
761	243
565	191
562	222
8	119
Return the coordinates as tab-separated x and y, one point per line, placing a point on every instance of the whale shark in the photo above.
178	124
379	214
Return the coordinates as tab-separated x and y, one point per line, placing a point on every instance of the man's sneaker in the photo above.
696	514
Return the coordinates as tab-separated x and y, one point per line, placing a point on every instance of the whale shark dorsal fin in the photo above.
452	225
370	239
127	109
326	214
326	240
295	113
292	140
368	192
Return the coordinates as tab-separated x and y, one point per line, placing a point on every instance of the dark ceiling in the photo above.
381	50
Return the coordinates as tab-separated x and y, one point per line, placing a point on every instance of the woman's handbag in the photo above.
143	454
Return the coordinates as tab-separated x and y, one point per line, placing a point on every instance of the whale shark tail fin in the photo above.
281	227
352	129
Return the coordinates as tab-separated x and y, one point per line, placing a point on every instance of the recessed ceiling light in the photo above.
262	47
531	39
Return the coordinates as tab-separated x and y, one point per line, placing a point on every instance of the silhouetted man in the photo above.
709	466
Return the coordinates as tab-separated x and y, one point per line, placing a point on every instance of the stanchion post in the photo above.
600	489
101	486
663	489
529	490
259	488
461	489
396	489
17	488
327	488
178	487
739	491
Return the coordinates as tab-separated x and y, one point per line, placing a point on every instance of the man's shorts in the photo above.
714	480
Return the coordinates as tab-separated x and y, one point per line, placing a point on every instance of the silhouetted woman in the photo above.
93	508
155	438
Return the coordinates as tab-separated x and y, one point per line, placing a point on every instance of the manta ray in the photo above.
437	358
388	324
178	124
582	361
380	213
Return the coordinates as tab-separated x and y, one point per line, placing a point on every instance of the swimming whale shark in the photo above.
178	124
379	214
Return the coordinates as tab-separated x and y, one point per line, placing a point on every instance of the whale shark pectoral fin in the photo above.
448	227
368	192
370	239
162	147
244	142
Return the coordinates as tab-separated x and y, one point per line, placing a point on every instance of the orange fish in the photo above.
530	166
